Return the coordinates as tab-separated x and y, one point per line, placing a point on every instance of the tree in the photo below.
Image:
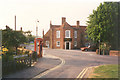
12	39
103	24
29	36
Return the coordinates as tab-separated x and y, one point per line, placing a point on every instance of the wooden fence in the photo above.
17	64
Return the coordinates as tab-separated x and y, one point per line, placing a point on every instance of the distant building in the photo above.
65	36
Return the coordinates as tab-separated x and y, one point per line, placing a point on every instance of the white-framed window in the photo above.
75	44
58	34
47	43
58	43
67	34
75	34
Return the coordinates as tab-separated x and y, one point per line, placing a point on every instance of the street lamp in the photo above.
37	29
36	33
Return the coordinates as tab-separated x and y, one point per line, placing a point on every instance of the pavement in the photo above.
42	65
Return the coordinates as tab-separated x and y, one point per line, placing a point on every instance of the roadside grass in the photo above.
105	71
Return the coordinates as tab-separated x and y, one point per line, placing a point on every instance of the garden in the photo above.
14	56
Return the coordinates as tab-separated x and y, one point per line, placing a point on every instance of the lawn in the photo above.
105	71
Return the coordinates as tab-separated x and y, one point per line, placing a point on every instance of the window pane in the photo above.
75	43
47	43
75	34
58	44
57	34
67	34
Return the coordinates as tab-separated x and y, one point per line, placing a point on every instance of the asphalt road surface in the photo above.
76	61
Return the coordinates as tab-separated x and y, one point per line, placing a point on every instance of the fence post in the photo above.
14	62
30	60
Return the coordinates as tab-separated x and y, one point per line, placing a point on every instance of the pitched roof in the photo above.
48	33
66	24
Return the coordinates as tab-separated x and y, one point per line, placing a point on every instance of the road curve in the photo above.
76	61
52	69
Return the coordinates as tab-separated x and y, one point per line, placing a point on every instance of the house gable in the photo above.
65	25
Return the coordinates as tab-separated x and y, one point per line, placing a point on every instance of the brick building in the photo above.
65	36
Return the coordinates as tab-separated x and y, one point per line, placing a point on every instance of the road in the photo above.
76	61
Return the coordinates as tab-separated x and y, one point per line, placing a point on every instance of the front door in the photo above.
67	45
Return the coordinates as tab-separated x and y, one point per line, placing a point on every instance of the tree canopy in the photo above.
103	24
12	39
29	36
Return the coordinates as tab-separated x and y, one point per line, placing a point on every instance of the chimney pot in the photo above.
21	28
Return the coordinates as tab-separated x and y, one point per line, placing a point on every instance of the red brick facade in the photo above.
114	53
71	42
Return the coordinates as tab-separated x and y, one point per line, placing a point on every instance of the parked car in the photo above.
88	48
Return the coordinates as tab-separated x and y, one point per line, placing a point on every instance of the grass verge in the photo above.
105	71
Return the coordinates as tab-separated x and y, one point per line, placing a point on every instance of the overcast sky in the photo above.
29	11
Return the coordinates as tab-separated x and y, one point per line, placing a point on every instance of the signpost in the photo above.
0	54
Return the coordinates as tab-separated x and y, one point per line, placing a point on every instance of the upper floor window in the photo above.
67	34
57	34
75	34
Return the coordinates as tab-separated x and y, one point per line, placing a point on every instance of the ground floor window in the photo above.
58	44
75	44
47	43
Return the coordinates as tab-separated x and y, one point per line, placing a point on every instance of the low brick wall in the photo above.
114	53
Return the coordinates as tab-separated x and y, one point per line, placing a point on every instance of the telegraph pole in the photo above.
15	22
36	35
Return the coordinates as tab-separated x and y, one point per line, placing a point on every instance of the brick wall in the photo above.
114	53
51	35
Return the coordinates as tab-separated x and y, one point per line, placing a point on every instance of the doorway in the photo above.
67	45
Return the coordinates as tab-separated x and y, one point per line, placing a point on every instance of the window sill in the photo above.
67	37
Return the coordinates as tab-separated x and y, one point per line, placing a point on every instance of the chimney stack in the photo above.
63	20
78	23
21	28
